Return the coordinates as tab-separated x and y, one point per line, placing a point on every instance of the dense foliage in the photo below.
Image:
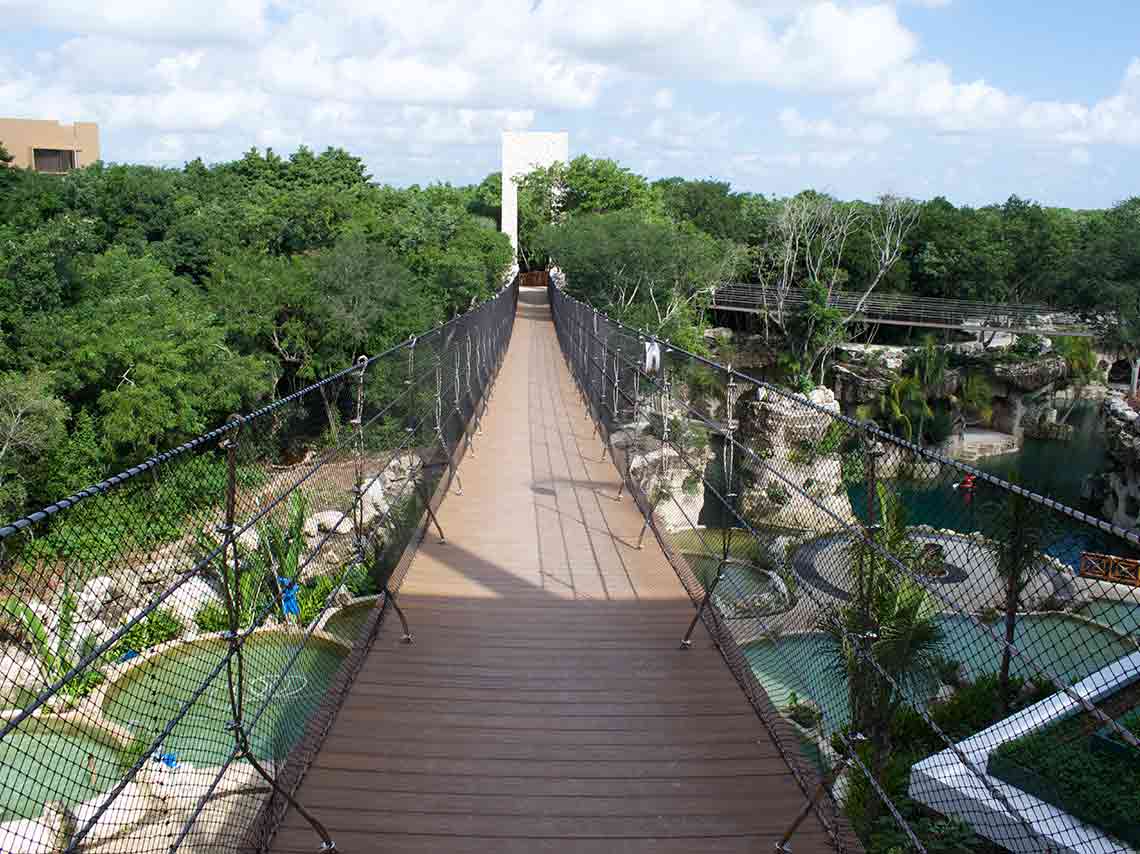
142	305
661	245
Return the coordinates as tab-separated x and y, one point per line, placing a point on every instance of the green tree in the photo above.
886	640
1019	533
39	267
584	185
905	407
32	422
7	178
650	274
146	353
1105	281
709	205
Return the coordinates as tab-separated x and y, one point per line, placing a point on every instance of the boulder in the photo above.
873	355
780	421
191	598
718	334
328	521
373	502
856	385
400	468
19	672
107	598
1032	375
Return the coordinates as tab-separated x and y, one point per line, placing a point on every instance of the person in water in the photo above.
967	486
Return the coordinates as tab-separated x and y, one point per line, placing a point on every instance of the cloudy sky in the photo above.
971	99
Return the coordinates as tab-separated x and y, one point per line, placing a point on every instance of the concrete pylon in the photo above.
522	153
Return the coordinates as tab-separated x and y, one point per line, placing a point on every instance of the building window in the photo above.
53	160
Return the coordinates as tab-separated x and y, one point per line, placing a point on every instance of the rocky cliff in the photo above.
1121	486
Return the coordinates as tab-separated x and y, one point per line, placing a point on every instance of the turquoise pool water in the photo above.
1056	469
38	765
805	663
346	623
153	693
1122	616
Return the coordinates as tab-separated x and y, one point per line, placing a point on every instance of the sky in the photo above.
969	99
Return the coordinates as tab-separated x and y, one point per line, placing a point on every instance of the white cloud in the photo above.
794	124
832	159
821	46
681	129
153	20
927	92
404	81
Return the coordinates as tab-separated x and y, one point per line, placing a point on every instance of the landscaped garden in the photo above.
1082	766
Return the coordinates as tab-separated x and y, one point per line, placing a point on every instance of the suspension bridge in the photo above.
545	704
908	310
546	585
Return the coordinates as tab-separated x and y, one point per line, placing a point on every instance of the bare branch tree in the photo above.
891	222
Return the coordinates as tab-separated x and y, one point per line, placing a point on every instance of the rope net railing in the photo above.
173	636
916	633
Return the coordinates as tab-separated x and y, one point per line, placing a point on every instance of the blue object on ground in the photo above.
168	759
129	654
289	596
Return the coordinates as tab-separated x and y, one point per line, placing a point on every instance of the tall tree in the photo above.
1019	528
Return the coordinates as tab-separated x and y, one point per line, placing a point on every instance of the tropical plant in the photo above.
1019	538
253	580
57	652
157	627
1081	362
904	406
886	640
976	398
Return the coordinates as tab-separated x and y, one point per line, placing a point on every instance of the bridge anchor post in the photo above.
687	640
825	783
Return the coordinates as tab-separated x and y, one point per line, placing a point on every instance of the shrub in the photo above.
312	597
155	628
940	427
212	618
1027	346
777	494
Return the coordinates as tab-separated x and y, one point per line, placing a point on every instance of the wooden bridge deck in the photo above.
545	706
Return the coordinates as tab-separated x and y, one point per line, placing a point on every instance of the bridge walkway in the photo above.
545	706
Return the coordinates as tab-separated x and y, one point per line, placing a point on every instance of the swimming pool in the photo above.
805	664
154	691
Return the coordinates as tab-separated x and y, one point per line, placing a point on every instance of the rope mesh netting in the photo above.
952	656
173	635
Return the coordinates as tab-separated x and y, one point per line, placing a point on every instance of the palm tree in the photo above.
1020	534
904	404
886	640
976	396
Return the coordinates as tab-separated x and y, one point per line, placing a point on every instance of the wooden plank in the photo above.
301	841
545	705
666	826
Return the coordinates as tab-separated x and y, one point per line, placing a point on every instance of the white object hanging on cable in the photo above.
652	357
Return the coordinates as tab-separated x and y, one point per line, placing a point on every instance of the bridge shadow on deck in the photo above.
545	705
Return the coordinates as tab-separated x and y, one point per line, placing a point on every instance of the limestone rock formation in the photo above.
856	384
1031	375
19	671
1121	486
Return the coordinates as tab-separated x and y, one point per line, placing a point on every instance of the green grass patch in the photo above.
1062	765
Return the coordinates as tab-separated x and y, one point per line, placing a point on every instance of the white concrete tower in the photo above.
522	153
